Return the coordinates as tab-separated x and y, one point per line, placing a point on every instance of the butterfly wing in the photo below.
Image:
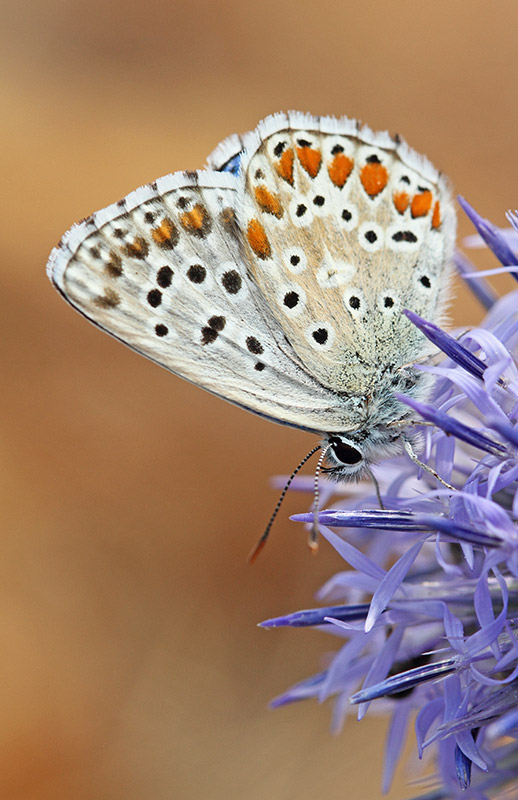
344	229
163	271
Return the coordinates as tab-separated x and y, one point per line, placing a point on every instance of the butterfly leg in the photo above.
410	451
377	488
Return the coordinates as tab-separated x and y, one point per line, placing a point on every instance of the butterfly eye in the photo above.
345	453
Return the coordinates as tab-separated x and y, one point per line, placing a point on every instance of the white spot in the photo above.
371	236
305	136
425	283
330	143
354	301
368	151
320	335
300	211
320	204
334	273
295	259
388	302
399	234
347	215
292	299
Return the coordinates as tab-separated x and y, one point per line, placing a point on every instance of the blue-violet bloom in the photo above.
428	609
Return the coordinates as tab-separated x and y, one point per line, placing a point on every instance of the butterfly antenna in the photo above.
262	541
313	536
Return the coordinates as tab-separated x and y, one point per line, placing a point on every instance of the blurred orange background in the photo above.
132	666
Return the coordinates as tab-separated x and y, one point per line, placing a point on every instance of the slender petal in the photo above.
491	235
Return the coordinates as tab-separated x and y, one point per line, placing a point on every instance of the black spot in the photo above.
254	345
208	335
373	159
154	298
259	174
337	149
425	280
121	203
345	452
294	260
161	330
405	179
423	189
388	302
218	323
303	143
371	236
164	277
96	253
404	236
197	273
119	233
320	335
149	217
278	149
354	302
301	210
319	200
232	281
182	202
291	299
346	215
191	175
259	367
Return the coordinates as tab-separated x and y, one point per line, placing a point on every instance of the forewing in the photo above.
162	271
345	228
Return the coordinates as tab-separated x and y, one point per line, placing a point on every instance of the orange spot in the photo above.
139	248
258	240
436	217
165	235
310	160
421	203
197	220
268	202
374	178
284	166
339	169
401	201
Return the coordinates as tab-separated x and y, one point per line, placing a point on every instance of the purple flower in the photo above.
428	610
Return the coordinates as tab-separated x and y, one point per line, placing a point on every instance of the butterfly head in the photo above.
351	454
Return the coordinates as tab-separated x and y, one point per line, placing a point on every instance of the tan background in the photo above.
131	666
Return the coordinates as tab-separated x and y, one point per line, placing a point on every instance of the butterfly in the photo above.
276	278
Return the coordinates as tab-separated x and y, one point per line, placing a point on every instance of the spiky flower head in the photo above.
428	609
